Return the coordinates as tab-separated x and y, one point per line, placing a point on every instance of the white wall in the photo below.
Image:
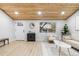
6	26
72	26
39	36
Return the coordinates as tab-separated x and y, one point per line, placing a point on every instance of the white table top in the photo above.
62	44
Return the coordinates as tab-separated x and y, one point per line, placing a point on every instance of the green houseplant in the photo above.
65	29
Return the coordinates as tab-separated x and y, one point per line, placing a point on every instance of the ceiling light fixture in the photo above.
39	13
62	13
16	12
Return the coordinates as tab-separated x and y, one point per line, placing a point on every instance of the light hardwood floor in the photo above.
22	48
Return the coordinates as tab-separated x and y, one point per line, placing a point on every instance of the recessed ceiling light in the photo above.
16	12
39	13
62	13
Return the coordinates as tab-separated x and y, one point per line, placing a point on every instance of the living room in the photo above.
37	26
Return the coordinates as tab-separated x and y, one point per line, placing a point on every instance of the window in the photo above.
77	23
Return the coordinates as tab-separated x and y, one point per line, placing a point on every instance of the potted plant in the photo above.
65	29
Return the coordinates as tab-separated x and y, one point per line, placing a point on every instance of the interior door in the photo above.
20	33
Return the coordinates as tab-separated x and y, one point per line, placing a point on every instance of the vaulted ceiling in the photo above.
36	11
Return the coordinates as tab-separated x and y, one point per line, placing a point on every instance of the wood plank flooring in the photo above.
22	48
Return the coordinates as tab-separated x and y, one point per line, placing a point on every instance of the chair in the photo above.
51	38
